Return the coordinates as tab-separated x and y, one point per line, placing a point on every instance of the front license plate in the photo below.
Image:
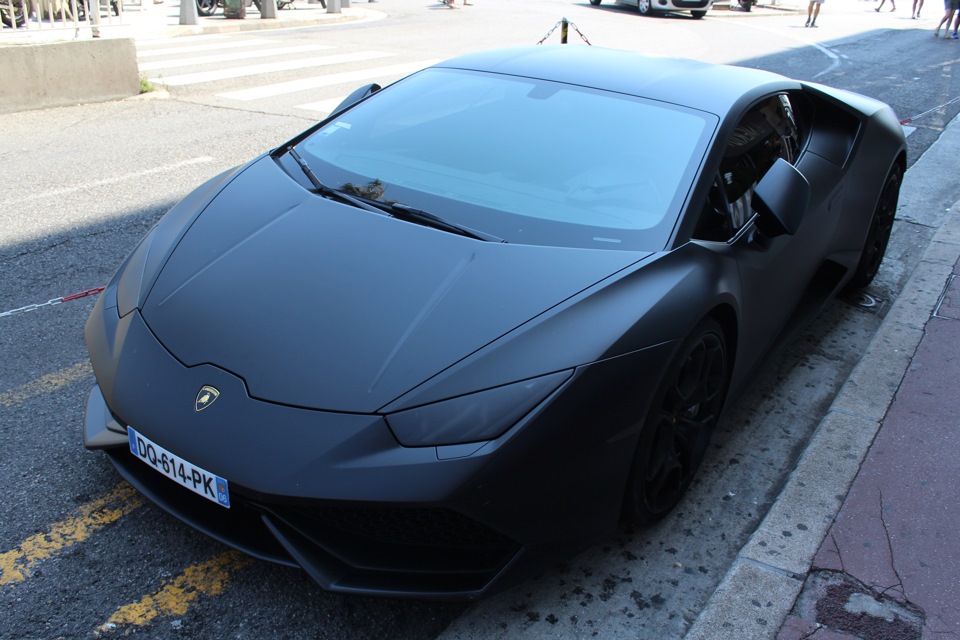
200	481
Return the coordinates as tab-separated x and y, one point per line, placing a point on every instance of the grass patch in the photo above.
146	86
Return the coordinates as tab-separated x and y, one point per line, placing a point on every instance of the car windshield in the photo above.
530	161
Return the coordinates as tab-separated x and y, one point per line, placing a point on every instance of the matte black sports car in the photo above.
484	314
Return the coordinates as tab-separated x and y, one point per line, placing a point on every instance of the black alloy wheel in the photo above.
878	236
206	7
679	425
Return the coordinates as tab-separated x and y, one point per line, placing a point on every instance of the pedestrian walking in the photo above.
915	11
950	7
893	5
813	10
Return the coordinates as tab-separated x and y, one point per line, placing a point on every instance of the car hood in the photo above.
322	305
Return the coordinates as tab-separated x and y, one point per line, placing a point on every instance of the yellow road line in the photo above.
176	596
15	565
45	384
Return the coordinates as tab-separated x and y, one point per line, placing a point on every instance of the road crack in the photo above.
893	562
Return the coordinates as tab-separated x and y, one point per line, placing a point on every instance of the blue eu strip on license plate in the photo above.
200	481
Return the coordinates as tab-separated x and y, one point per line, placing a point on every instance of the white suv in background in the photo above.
698	8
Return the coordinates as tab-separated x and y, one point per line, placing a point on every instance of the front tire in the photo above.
595	3
679	424
644	7
19	16
698	15
878	236
206	7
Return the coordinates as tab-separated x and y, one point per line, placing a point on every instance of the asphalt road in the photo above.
82	557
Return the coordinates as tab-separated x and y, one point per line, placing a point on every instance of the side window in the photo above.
767	132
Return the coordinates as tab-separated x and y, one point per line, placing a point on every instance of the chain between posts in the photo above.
565	24
50	303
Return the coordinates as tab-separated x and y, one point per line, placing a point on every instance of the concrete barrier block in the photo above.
52	74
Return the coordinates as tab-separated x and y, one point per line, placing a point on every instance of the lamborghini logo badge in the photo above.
206	397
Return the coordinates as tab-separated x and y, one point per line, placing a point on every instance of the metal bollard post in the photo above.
188	12
268	9
333	6
564	27
95	18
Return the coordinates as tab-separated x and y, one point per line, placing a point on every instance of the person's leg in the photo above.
946	18
816	12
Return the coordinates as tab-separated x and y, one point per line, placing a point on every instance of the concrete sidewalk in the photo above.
149	20
301	13
862	540
890	564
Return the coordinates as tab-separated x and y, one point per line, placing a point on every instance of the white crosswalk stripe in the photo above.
232	57
303	84
180	40
210	58
199	48
270	67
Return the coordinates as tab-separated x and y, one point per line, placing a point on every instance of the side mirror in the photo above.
356	96
781	199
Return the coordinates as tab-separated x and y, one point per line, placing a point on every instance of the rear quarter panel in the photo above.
863	138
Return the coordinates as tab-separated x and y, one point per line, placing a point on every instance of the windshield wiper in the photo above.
330	192
411	214
393	209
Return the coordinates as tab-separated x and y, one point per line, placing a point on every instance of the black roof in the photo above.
708	87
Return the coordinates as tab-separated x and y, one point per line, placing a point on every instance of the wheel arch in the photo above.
902	162
726	317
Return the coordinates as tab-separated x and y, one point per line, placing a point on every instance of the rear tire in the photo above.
698	15
678	427
878	236
645	7
595	3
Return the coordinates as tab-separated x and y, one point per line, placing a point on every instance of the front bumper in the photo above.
337	495
348	547
684	5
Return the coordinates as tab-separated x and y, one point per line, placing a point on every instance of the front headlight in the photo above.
130	276
474	417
